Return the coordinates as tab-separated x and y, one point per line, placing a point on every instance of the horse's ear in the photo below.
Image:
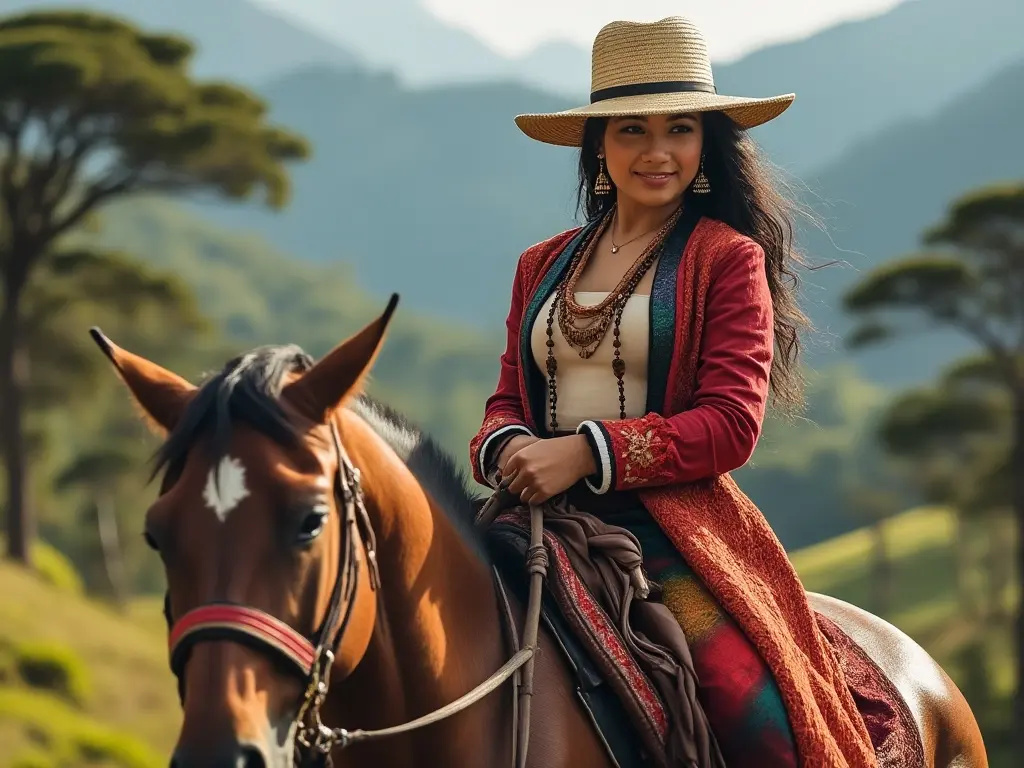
340	373
161	394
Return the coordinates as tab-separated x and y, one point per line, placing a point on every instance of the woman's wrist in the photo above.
587	462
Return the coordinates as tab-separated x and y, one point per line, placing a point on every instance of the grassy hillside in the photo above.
123	709
132	692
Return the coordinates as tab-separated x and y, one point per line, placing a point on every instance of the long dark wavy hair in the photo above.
745	195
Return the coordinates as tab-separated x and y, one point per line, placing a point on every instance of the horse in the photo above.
325	581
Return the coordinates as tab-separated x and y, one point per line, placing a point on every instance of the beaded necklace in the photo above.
586	339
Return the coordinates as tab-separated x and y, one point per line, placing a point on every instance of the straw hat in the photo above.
650	68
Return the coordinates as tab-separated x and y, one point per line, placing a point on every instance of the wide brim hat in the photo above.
650	68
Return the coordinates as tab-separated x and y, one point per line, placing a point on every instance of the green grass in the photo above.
131	714
923	603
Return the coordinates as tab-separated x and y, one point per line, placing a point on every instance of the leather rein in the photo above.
311	657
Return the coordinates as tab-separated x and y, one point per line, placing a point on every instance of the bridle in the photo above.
311	657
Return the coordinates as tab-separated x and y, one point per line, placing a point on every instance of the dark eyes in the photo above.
310	527
674	129
312	524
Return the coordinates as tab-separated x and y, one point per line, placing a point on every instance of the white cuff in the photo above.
482	455
604	467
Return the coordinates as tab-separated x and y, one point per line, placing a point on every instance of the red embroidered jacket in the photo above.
708	364
700	422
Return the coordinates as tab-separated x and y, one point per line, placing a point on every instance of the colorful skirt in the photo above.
737	689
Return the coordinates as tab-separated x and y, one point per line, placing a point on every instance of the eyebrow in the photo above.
643	118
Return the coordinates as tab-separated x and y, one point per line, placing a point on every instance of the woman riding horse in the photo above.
640	354
328	594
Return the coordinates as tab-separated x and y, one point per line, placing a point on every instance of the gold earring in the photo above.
701	185
602	184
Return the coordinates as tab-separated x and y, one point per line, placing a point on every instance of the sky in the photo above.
515	26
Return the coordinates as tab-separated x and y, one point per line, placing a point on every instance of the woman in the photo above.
642	348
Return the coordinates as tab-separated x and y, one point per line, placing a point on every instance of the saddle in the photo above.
635	678
640	711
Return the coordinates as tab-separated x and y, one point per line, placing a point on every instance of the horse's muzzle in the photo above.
235	755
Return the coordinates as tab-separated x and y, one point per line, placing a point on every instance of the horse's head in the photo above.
263	536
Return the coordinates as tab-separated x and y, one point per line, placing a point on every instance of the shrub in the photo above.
55	668
102	745
56	570
72	738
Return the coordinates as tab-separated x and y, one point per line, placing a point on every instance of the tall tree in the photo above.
972	281
93	109
952	439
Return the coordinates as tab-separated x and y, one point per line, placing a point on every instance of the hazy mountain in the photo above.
883	192
850	80
432	193
858	77
435	193
235	39
404	37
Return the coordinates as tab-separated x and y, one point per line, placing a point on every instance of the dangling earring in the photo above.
602	184
701	185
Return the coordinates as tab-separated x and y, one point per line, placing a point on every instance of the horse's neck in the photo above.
438	633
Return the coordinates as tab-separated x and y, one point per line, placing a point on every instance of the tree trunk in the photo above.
962	570
13	377
1000	557
882	571
110	544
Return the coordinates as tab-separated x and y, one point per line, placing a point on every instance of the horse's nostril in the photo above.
251	757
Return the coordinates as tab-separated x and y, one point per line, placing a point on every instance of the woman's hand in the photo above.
545	468
510	449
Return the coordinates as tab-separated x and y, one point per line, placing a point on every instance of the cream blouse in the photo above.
587	389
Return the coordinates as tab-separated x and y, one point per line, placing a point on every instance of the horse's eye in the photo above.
150	541
313	524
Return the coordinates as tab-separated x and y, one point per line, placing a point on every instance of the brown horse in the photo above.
281	481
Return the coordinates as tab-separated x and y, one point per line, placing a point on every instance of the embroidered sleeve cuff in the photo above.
493	441
639	452
600	444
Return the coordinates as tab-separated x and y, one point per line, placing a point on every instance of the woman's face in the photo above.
653	159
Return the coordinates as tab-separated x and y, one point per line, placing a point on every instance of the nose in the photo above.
236	756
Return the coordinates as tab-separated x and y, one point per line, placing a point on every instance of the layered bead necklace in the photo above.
584	327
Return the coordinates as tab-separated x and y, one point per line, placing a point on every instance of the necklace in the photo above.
617	246
586	339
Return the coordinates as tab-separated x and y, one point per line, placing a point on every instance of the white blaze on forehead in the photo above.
225	489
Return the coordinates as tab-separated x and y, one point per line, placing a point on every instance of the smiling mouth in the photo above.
655	176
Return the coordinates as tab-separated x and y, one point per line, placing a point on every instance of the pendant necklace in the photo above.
611	235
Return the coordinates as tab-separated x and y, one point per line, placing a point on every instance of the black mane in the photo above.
433	467
247	389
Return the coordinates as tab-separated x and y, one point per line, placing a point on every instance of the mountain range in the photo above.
235	39
850	80
433	192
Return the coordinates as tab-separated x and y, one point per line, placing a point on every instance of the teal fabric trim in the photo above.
661	343
535	379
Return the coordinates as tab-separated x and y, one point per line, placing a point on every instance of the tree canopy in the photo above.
965	435
92	109
972	281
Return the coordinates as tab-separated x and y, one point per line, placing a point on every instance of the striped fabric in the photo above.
739	694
